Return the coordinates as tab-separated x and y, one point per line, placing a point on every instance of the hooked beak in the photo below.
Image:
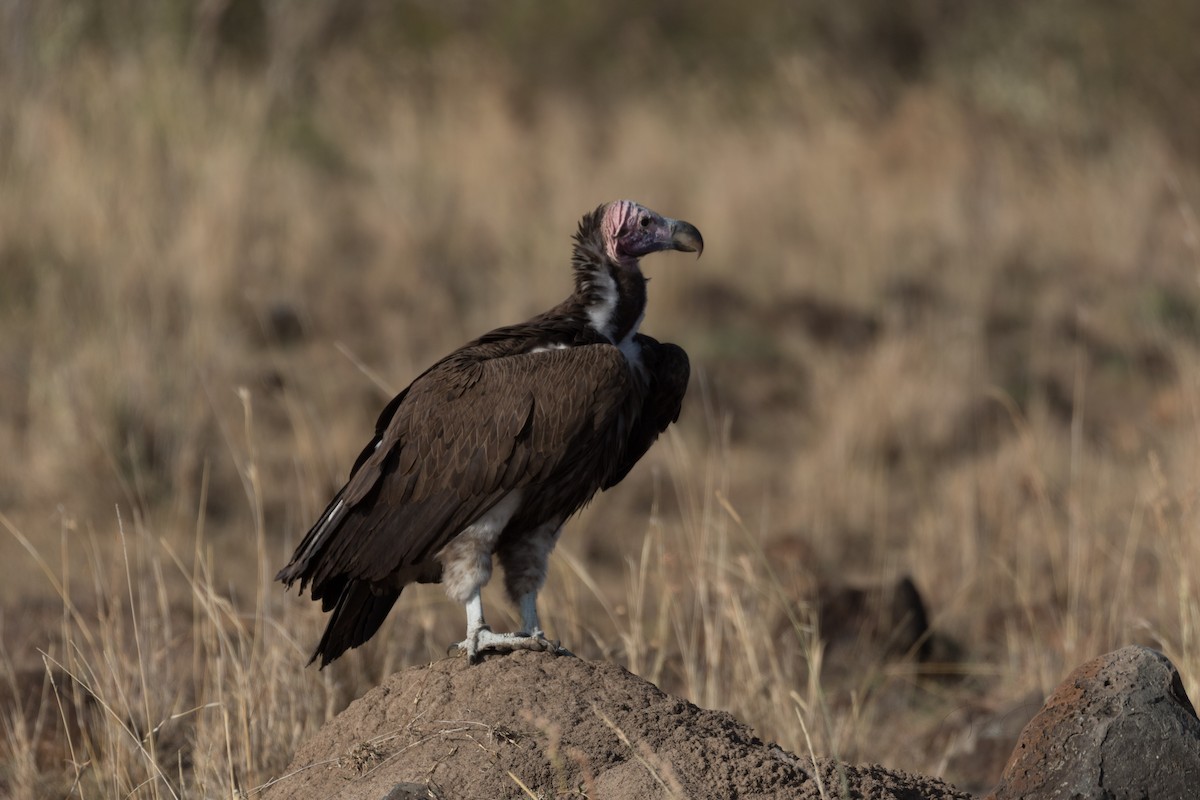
686	238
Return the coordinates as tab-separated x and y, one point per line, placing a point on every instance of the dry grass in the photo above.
204	302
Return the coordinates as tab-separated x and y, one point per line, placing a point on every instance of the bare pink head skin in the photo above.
631	231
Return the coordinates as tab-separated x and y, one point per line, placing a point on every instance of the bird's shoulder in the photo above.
549	356
547	331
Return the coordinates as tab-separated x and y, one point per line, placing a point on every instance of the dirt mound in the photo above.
558	726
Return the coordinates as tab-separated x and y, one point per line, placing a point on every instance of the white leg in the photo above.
475	621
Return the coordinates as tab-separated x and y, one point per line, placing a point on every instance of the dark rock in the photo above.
1120	726
888	620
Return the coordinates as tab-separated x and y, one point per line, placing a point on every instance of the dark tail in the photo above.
358	613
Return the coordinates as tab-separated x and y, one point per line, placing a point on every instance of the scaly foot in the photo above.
484	639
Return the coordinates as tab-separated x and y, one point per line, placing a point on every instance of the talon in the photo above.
484	640
480	636
473	643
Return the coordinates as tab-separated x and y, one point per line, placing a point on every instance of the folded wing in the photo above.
459	439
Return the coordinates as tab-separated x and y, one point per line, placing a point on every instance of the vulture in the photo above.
491	449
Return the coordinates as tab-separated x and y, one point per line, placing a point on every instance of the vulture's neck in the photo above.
611	293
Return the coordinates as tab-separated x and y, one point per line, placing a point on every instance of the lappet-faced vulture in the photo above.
492	448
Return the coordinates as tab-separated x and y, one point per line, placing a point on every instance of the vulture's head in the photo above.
630	231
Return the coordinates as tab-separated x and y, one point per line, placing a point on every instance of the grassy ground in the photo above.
935	335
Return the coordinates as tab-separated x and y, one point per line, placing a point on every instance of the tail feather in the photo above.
356	617
304	560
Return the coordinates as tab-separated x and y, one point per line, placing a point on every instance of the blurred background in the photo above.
944	341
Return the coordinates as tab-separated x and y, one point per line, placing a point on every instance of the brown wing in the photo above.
464	435
667	374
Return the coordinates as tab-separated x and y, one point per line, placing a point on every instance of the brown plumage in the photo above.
493	447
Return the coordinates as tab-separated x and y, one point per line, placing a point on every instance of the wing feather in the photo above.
668	371
459	439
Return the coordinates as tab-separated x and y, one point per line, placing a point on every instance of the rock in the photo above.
1120	726
559	726
883	621
864	626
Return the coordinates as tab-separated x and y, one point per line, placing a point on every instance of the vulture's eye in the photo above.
644	222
